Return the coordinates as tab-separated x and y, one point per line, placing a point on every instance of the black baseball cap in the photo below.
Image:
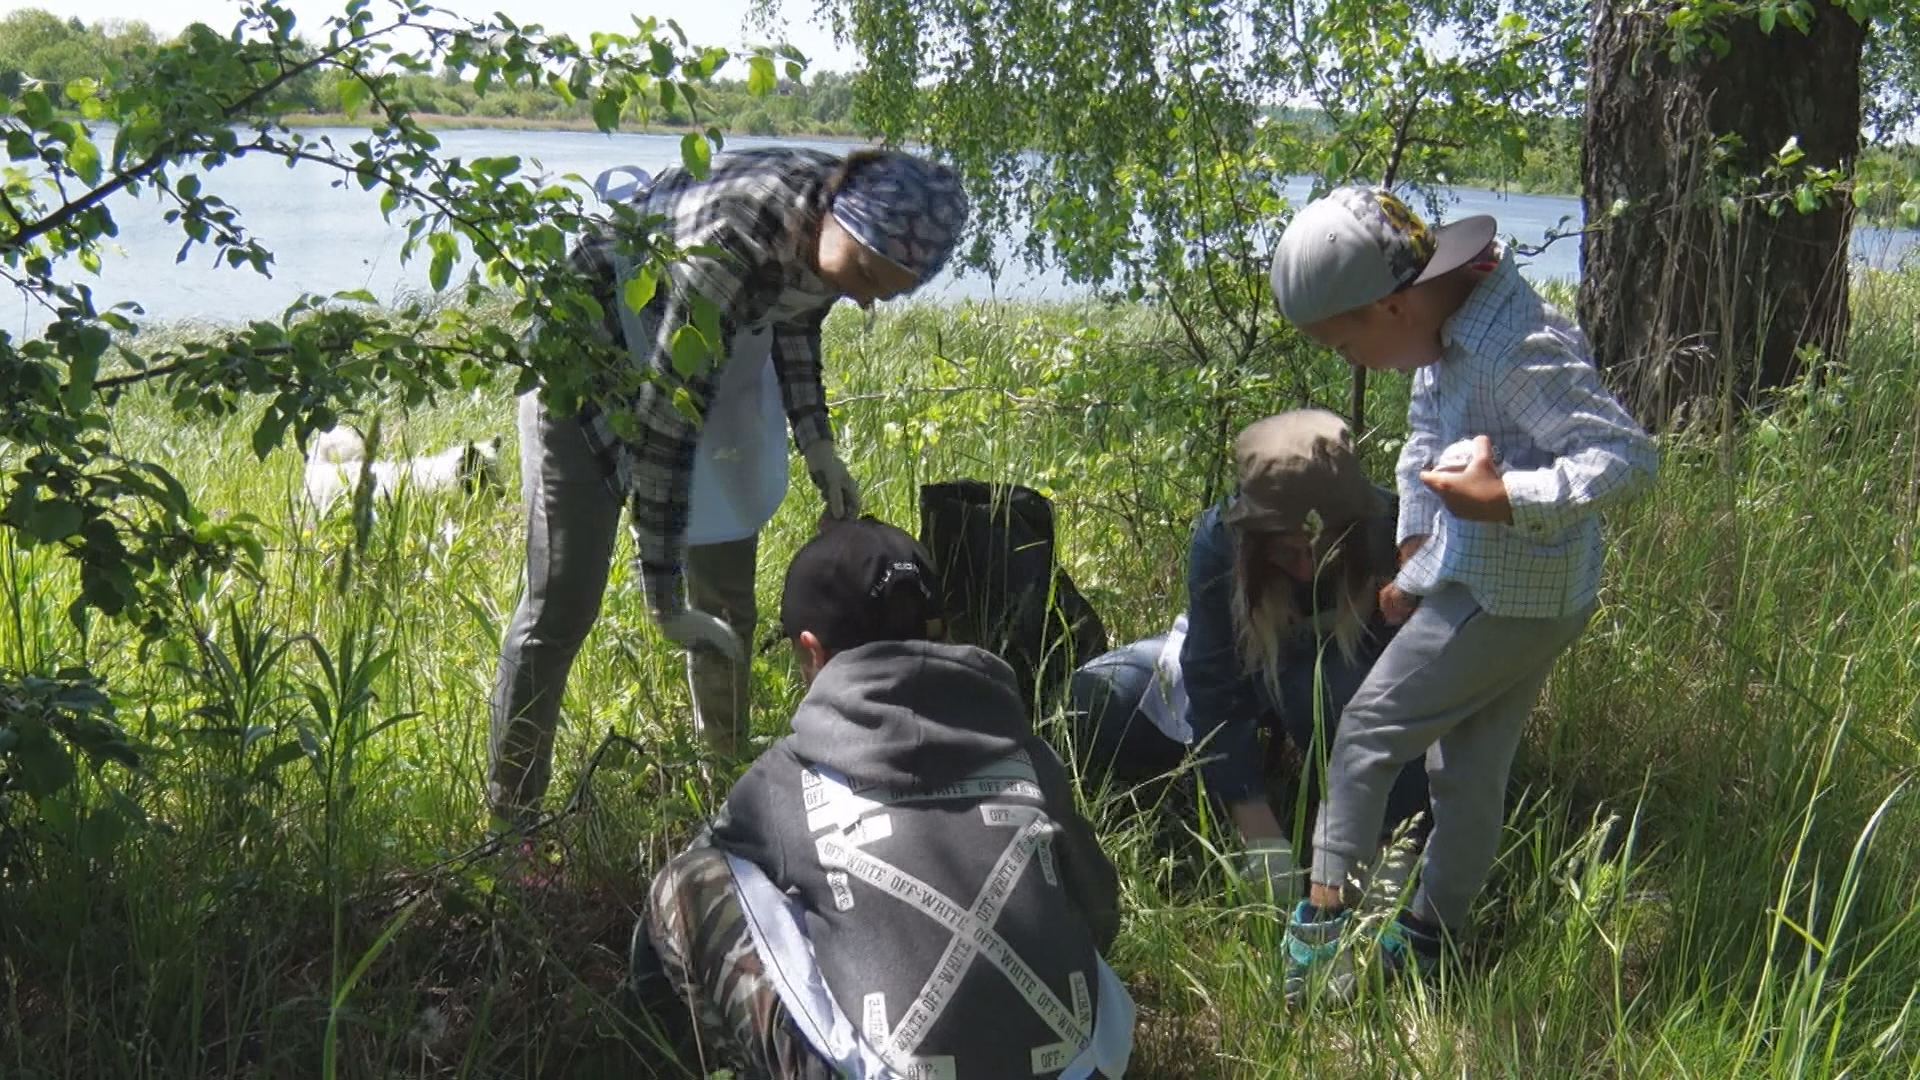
860	582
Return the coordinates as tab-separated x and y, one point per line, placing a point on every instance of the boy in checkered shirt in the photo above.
1500	549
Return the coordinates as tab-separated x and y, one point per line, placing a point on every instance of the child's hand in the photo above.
1411	546
1475	493
1396	604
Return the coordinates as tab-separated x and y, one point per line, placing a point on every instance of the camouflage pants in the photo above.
707	955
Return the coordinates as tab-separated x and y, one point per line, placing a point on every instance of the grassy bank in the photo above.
1709	869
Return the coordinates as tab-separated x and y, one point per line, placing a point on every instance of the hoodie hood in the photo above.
911	713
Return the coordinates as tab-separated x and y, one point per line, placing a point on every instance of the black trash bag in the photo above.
993	549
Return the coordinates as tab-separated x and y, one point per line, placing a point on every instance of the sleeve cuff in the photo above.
662	586
1416	578
1531	495
812	430
1417	511
1232	779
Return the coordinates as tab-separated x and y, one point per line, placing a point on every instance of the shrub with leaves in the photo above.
159	127
1145	145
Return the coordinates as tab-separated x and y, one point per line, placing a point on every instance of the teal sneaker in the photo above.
1319	960
1324	966
1410	949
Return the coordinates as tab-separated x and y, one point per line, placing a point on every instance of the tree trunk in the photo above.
1695	306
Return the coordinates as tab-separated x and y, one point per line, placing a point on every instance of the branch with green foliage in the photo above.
1884	184
41	46
137	544
1143	144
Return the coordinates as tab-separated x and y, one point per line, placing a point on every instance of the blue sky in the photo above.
709	22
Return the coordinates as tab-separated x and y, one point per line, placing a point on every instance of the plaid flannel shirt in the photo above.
754	208
1518	371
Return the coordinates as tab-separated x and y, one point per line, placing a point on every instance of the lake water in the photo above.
327	239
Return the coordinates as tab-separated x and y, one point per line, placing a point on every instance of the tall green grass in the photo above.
1710	868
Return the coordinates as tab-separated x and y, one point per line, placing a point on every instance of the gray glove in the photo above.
1269	865
697	631
836	484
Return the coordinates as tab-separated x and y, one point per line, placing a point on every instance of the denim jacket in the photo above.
1227	704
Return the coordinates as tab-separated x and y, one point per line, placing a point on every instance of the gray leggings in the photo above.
573	521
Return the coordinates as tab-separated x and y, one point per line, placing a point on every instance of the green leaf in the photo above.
266	436
706	319
683	404
496	167
1768	13
760	77
53	520
81	372
353	95
1805	199
84	159
690	352
42	767
100	833
38	107
697	154
285	754
1337	161
606	113
640	288
442	268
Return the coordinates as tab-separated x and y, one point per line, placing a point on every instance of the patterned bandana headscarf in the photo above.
907	210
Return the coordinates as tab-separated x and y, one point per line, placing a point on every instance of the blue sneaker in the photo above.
1409	948
1321	964
1319	960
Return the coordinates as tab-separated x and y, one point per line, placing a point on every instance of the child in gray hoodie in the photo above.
903	886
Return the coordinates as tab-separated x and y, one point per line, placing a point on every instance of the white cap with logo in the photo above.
1357	245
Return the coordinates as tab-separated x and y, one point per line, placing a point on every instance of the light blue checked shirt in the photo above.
1518	372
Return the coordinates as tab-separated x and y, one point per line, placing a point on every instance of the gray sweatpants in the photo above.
573	520
1456	685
